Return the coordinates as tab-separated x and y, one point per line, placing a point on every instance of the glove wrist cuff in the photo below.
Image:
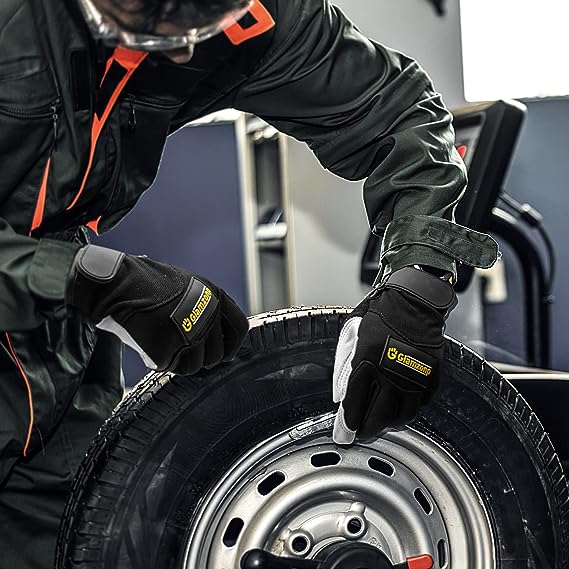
435	292
92	266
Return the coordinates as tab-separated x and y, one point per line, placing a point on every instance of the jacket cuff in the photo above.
437	242
409	255
50	268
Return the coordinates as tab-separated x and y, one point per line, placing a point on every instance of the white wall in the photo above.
328	229
413	27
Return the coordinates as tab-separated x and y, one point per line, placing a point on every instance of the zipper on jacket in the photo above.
41	112
42	194
131	114
55	125
150	102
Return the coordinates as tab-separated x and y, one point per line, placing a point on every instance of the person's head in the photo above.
171	26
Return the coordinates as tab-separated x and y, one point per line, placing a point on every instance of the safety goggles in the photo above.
111	34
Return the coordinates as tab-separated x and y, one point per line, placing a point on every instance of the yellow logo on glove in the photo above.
413	363
198	310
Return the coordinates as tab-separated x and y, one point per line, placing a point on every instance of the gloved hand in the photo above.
389	354
176	320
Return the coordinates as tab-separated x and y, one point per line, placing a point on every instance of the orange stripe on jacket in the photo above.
40	203
28	389
94	225
264	22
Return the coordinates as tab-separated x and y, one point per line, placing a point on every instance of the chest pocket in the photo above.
145	123
28	103
29	109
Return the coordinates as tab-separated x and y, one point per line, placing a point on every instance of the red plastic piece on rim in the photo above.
462	150
420	562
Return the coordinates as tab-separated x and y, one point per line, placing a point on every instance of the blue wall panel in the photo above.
191	216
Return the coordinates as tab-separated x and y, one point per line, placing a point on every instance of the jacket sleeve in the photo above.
367	111
33	276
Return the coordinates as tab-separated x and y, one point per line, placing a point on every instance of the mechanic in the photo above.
89	91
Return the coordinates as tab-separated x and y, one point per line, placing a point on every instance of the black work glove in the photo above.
176	320
389	354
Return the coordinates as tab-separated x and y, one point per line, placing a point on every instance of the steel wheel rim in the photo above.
403	493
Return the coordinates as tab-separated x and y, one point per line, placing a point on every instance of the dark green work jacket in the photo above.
367	113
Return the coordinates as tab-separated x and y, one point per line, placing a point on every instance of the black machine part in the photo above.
139	491
537	287
490	132
486	135
534	219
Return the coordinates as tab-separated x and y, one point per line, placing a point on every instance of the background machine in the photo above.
486	136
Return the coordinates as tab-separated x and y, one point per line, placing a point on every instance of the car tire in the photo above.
150	468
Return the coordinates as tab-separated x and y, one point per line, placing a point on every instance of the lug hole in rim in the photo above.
271	483
325	459
442	551
381	466
355	526
423	501
300	544
233	531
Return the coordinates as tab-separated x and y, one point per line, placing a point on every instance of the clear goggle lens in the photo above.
113	35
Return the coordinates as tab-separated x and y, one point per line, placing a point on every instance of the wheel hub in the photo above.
299	496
